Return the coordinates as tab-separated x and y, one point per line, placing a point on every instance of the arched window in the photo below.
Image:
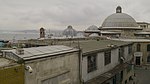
138	48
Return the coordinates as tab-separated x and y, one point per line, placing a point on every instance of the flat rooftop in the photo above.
44	51
94	45
132	40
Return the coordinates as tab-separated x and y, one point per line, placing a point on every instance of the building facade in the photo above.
142	53
106	62
49	65
140	50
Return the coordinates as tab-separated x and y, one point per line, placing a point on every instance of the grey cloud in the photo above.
33	13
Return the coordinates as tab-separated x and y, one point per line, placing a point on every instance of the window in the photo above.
126	82
107	56
1	53
121	51
121	75
148	47
129	49
92	65
148	58
119	54
138	47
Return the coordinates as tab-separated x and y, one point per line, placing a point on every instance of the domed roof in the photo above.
120	20
93	27
70	31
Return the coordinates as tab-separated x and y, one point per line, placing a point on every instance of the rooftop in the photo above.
94	45
143	33
5	62
132	40
39	52
142	23
119	21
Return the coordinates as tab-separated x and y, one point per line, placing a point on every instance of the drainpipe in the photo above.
80	66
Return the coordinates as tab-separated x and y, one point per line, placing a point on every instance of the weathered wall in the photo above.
144	51
54	70
101	68
12	75
127	75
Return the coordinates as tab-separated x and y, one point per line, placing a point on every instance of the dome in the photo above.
69	32
93	27
119	20
93	35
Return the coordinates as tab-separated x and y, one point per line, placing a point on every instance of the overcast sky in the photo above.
58	14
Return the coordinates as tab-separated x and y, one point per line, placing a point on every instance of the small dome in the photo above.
93	35
93	27
69	32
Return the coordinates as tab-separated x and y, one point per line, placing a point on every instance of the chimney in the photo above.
20	51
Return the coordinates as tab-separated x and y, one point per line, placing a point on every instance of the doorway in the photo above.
138	60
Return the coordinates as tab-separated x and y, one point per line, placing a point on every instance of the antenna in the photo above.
78	44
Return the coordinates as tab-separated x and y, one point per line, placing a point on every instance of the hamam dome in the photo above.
92	27
69	32
119	21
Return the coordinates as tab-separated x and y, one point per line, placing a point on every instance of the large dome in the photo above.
119	20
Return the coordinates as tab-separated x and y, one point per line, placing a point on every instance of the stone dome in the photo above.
92	27
69	32
119	20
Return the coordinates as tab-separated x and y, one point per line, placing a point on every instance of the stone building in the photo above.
141	49
120	24
144	25
48	65
106	62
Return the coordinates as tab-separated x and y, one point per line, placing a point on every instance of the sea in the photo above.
25	35
11	36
